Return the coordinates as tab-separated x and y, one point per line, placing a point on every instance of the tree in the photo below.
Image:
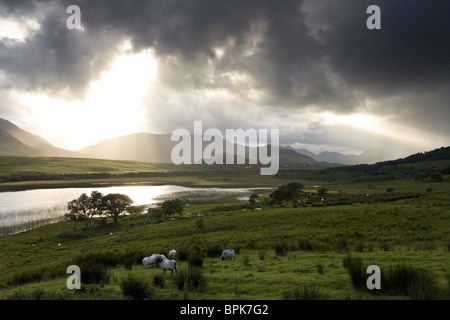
321	191
155	213
115	203
287	191
172	206
84	208
252	198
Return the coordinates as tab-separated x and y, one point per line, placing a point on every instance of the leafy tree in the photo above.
155	213
115	203
172	206
321	191
287	191
84	208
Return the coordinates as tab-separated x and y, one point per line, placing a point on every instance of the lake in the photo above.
32	208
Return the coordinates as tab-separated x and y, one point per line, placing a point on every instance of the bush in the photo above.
214	251
341	245
158	280
356	272
183	253
136	288
95	273
305	245
281	249
262	255
409	281
195	259
192	280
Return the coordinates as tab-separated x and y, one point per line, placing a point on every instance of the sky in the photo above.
311	69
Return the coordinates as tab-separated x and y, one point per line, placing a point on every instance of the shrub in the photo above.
262	255
192	280
409	281
95	273
183	253
356	272
214	250
158	280
136	288
195	259
305	245
281	249
320	268
341	245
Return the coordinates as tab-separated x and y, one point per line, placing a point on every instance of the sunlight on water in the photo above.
24	210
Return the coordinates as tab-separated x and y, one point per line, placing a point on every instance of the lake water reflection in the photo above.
49	204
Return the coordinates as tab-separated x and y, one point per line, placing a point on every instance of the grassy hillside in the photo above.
282	251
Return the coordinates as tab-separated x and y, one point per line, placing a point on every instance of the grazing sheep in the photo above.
228	254
163	257
172	253
167	265
150	260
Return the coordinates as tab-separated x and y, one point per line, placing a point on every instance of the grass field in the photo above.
315	241
292	250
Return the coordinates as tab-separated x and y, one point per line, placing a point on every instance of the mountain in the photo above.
146	147
429	166
370	156
157	148
17	142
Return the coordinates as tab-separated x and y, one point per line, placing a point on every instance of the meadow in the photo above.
317	246
284	251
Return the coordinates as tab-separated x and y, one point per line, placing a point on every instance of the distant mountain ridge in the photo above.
368	157
17	142
157	148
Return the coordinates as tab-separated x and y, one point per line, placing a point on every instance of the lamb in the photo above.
228	254
167	265
172	253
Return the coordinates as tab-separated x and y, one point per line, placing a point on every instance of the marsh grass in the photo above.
16	221
307	292
191	280
134	287
417	283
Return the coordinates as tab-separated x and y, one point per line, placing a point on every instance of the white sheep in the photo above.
163	257
167	265
172	253
150	260
228	254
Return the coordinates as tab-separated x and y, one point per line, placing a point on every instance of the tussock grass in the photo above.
136	288
307	292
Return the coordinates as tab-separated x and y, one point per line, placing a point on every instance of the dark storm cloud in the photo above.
410	52
286	62
296	55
